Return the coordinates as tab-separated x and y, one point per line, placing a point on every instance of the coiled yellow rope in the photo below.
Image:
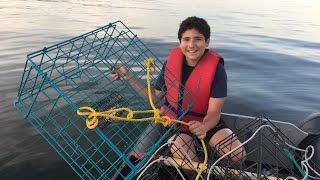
93	120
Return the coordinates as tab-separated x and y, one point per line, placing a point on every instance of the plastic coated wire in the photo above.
92	120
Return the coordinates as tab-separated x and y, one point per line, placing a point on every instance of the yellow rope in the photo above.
93	120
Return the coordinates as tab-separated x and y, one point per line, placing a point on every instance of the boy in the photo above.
202	73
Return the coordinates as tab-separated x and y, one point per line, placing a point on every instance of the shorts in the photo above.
218	127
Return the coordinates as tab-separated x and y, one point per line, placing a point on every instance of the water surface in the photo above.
271	50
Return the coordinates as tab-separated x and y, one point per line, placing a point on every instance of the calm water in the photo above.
271	50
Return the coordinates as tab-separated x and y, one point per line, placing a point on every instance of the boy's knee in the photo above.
180	140
224	144
219	136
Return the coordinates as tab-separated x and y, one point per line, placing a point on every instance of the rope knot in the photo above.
92	120
130	114
149	62
165	120
156	113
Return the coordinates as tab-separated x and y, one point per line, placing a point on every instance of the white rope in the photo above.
167	143
157	160
153	156
305	163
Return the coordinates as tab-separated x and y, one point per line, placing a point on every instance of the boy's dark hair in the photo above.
197	23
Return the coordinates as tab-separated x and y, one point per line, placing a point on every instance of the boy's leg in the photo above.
238	155
183	147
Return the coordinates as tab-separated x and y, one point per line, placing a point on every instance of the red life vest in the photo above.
197	87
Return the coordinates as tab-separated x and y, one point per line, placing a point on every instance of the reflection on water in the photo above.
271	51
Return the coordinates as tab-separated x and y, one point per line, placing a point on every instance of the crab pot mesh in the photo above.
266	156
59	79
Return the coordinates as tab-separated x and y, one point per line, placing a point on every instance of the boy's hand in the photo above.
198	129
120	71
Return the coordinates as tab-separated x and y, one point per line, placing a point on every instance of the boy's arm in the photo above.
124	73
211	119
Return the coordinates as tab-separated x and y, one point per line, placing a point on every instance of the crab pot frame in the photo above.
59	79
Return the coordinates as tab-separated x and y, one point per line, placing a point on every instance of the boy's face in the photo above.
193	45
